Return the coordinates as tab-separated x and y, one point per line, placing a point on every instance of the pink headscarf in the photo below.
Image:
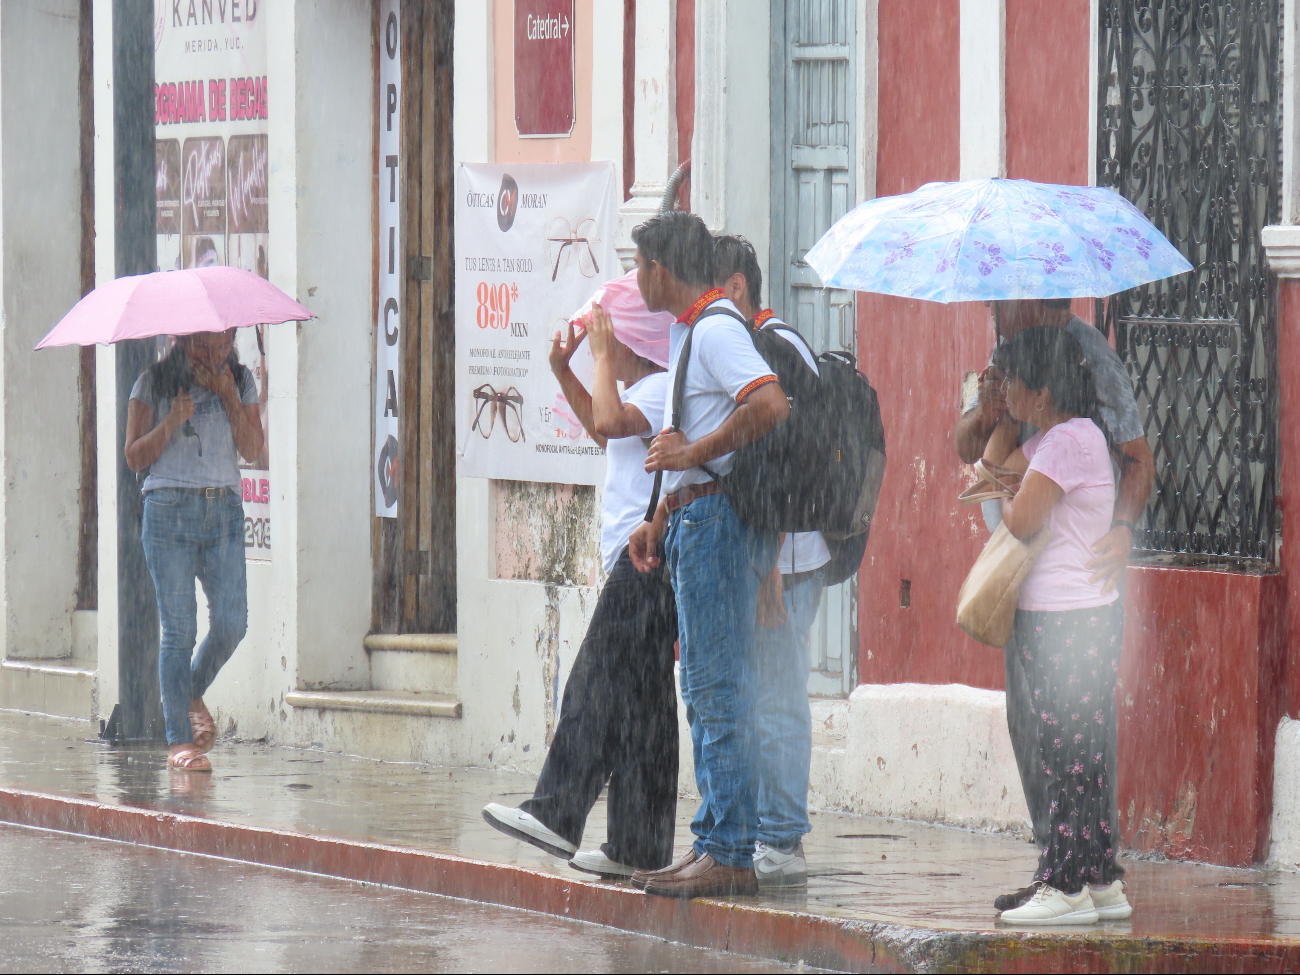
643	331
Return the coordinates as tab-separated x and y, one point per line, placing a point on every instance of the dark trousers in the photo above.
618	723
1023	723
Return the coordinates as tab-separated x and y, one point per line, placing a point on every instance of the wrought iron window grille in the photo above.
1189	122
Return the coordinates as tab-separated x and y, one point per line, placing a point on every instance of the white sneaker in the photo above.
1052	906
522	826
777	869
595	861
1110	902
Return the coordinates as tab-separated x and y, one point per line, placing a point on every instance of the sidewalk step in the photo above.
379	702
61	686
423	662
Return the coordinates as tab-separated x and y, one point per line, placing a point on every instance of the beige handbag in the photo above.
986	605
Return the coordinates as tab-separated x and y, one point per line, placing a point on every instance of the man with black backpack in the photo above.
729	398
787	605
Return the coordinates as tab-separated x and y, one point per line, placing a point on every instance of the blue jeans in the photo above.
716	564
784	720
187	537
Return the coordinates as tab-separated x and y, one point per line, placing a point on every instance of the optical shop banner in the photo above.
533	242
210	117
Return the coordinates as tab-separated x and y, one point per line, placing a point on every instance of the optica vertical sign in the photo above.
388	330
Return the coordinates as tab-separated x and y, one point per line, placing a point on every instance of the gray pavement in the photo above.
74	904
868	869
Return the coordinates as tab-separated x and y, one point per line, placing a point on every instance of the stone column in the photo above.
654	123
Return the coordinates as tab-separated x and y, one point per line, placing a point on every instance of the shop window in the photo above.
1189	117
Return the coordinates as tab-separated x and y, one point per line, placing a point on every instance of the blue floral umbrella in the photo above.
995	239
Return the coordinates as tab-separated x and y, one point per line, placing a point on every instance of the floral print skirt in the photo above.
1072	661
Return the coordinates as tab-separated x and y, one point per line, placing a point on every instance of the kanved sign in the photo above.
544	99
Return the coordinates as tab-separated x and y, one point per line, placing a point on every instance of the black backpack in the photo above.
818	471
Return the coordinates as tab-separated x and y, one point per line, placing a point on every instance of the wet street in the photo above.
74	904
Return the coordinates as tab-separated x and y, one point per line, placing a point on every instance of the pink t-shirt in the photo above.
1074	455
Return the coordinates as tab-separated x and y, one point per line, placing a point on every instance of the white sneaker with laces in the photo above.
777	869
522	826
1052	906
595	861
1110	902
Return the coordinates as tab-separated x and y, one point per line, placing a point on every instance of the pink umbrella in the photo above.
201	299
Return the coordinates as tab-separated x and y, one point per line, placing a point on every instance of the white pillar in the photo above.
731	148
983	48
654	120
40	278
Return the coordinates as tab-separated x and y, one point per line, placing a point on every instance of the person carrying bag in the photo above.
1066	626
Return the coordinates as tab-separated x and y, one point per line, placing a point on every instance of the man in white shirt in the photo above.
716	562
787	604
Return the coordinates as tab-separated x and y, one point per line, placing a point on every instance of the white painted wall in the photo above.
983	53
938	753
40	277
731	154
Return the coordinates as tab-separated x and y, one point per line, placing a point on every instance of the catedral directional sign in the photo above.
544	99
533	242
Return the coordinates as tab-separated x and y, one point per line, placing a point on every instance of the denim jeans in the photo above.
187	537
716	564
784	720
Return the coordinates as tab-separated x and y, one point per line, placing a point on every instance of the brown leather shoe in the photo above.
706	877
640	877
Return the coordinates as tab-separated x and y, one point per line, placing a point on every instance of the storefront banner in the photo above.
388	326
210	115
533	242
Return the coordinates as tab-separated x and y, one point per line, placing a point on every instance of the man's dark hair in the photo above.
681	243
1056	304
733	254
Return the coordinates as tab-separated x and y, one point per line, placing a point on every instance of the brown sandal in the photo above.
189	760
204	729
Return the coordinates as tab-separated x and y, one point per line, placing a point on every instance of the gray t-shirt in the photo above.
206	459
1116	403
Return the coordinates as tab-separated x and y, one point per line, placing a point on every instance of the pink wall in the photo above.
509	147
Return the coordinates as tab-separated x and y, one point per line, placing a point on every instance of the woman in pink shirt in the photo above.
1067	626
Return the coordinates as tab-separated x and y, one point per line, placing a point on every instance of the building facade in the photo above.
444	633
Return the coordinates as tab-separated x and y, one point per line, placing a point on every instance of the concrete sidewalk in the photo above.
886	894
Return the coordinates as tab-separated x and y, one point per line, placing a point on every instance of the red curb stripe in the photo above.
828	942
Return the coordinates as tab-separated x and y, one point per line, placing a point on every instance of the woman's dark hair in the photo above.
680	242
733	254
175	372
1051	358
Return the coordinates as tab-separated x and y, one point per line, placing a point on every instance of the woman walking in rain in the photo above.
1067	626
190	418
618	720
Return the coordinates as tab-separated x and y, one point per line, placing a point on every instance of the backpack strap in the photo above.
679	394
776	325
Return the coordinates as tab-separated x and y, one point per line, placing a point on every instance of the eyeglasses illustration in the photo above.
509	405
573	245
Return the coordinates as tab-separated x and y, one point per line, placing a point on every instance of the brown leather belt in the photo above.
680	499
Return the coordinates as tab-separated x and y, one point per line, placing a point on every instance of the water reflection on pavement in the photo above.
70	903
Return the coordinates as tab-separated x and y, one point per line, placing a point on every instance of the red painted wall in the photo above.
1047	91
915	353
1200	694
685	91
1288	342
1203	677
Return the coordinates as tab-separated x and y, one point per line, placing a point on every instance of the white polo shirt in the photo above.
724	368
801	551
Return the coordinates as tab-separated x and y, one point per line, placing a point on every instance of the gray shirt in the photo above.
1116	403
206	459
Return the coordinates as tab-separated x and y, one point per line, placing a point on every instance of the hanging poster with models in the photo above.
533	243
210	114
